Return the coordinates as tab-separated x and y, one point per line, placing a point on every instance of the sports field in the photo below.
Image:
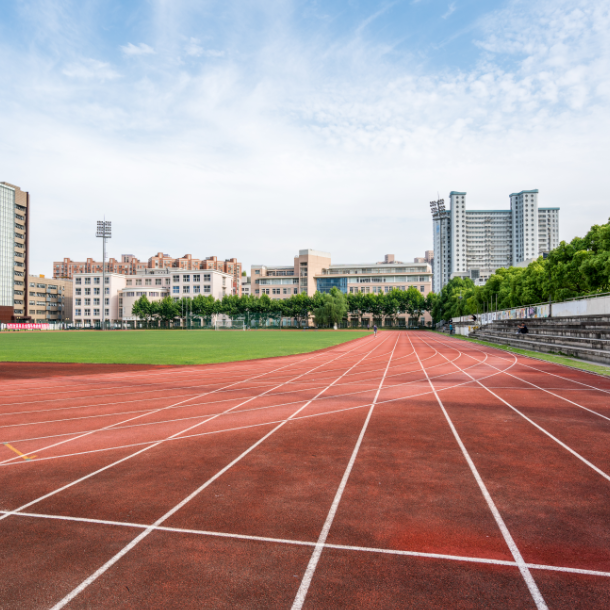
403	471
163	346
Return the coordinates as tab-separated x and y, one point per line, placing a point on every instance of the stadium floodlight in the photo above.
104	230
433	207
441	205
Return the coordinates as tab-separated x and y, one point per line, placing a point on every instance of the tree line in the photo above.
326	309
579	267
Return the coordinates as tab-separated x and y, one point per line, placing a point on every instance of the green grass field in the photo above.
164	347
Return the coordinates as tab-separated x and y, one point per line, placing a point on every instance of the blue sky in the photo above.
260	127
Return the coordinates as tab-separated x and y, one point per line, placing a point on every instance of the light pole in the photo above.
104	230
440	213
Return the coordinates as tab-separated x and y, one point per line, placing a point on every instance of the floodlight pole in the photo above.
104	230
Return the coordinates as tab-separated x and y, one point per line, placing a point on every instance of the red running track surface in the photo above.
409	470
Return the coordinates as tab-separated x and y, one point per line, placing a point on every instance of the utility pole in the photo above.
104	230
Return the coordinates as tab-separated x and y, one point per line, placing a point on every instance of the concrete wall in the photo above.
595	306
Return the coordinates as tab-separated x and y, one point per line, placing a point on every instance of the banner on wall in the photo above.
27	326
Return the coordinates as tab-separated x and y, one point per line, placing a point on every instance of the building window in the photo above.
296	290
207	289
176	278
77	281
96	301
257	291
96	312
96	280
107	312
207	277
87	291
197	289
120	312
87	280
76	291
138	282
186	278
196	278
77	302
96	291
106	301
176	289
107	280
87	312
186	289
158	282
148	282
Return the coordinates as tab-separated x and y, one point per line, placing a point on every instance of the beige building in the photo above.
14	250
49	300
121	291
281	282
130	265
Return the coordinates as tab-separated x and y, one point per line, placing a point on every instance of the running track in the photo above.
407	471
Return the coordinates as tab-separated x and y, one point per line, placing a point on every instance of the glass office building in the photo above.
7	245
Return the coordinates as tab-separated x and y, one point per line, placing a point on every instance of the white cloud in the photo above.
90	69
193	48
139	49
450	10
330	139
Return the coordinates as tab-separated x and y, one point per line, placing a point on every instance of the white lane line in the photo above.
341	547
299	599
80	588
149	447
112	426
527	576
543	430
118	426
502	356
163	389
547	390
379	402
195	370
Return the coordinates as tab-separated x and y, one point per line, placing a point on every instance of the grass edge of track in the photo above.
598	369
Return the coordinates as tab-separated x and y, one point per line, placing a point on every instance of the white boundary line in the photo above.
527	577
547	390
77	590
343	547
561	443
156	444
144	414
382	402
299	599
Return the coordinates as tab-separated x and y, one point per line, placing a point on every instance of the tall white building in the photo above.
474	243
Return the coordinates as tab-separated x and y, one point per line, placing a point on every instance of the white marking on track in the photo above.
525	573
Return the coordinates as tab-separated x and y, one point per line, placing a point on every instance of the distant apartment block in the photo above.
313	271
474	243
130	265
281	282
121	291
14	250
49	300
376	278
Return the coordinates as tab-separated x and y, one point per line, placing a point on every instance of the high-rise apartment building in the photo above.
130	265
474	243
14	224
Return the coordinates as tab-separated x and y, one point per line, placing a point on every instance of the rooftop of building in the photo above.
523	193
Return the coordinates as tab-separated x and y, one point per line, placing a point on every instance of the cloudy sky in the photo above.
255	128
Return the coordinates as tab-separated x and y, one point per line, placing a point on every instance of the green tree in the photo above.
168	310
332	308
